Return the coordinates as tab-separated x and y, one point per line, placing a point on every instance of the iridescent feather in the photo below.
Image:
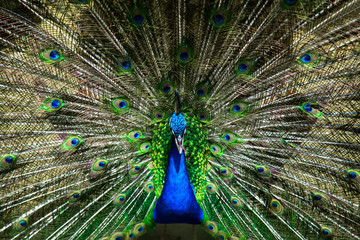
263	144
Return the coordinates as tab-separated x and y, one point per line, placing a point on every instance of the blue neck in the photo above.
177	203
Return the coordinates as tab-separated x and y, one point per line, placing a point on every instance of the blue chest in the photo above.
177	203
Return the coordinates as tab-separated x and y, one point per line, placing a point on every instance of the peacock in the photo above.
240	117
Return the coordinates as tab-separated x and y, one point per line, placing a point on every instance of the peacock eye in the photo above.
123	104
55	103
309	59
228	138
184	54
149	187
320	199
139	229
72	143
119	105
134	136
306	58
124	65
216	150
211	227
138	19
225	172
262	170
51	55
236	108
276	206
211	188
135	169
239	108
52	104
158	116
54	55
74	196
244	67
7	160
202	91
138	16
151	165
221	237
219	17
307	107
326	232
21	223
118	236
203	116
99	165
235	202
353	175
120	199
145	147
166	88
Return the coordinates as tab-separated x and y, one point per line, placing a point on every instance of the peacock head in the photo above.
178	124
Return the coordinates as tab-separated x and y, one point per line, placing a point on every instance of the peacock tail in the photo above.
264	141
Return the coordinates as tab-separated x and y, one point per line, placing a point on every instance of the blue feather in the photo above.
177	203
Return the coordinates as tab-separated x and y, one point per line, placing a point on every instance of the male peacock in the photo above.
238	115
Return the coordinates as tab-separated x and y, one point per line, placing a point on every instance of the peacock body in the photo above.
241	116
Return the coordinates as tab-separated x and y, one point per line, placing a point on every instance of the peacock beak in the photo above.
179	141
